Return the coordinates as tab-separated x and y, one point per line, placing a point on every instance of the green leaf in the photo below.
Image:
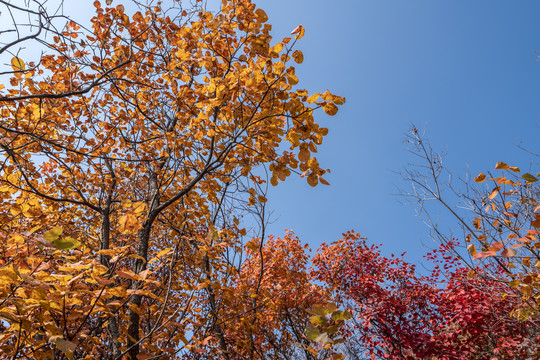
66	243
53	234
312	332
332	330
528	177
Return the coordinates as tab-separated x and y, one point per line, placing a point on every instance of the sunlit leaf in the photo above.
330	109
494	193
508	252
53	234
17	64
484	254
297	30
480	178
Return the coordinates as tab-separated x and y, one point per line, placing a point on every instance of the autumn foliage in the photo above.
398	314
506	232
130	152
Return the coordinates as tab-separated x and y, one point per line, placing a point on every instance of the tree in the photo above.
500	223
399	314
274	280
131	152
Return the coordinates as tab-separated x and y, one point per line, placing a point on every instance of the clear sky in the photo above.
465	70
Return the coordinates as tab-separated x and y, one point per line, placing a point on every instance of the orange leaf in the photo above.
508	252
536	221
312	180
298	56
484	254
494	193
296	29
299	31
324	182
261	15
502	166
480	178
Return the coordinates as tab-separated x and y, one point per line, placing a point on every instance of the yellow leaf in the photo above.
298	56
139	208
34	229
17	64
53	234
207	16
313	98
330	109
107	252
163	252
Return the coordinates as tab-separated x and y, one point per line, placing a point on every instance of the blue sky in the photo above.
466	71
